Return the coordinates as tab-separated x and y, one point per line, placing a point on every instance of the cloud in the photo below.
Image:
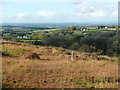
93	0
98	14
21	15
62	0
84	9
46	13
2	1
114	13
100	10
81	11
1	17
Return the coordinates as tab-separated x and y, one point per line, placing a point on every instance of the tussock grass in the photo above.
79	74
54	72
13	50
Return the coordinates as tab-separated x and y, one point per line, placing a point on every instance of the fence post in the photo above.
72	56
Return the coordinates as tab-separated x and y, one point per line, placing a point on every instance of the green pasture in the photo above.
1	30
46	30
91	27
79	32
29	40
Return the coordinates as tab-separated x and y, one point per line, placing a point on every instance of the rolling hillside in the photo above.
29	66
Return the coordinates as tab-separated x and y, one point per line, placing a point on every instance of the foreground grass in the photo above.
21	73
54	71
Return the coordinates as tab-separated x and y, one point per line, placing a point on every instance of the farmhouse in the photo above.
21	36
83	29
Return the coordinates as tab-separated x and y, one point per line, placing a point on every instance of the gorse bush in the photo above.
87	48
32	55
75	46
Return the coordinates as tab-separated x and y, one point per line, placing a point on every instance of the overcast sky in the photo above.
35	11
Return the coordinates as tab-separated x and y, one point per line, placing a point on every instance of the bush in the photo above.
87	48
32	55
58	41
4	54
75	46
37	43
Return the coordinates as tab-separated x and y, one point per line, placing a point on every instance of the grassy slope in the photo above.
55	69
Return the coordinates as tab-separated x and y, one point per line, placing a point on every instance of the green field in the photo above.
91	31
29	40
91	27
1	30
46	30
79	32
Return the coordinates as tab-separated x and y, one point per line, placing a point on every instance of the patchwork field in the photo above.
55	68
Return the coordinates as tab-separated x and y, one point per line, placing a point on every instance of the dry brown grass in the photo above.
54	71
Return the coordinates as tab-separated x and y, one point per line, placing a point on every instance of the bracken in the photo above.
32	55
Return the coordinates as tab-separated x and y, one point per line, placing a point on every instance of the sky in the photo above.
61	11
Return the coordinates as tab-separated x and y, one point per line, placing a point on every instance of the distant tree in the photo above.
59	41
72	28
88	40
37	42
99	27
75	46
76	38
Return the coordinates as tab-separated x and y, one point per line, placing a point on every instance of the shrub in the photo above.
32	55
37	43
3	54
75	46
87	48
